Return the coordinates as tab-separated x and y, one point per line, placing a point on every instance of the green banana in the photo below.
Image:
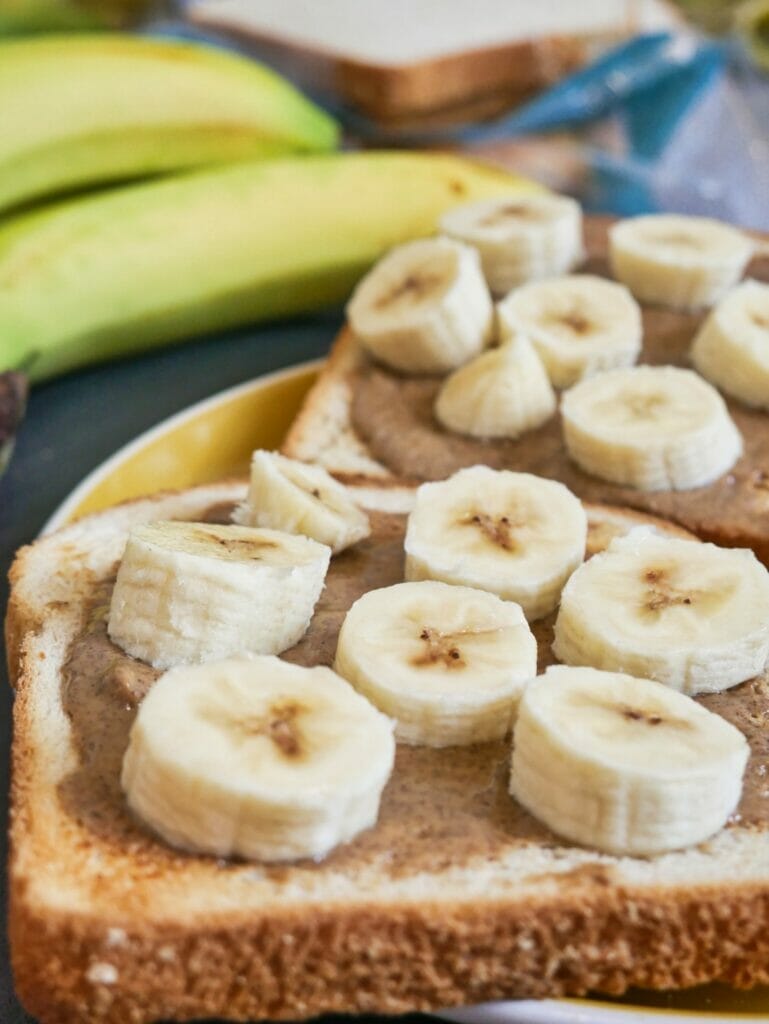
105	275
83	110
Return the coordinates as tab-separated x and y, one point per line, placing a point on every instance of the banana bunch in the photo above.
622	764
86	110
115	273
257	758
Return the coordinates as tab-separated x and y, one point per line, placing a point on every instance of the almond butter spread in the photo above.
440	808
394	416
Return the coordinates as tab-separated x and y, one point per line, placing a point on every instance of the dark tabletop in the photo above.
74	423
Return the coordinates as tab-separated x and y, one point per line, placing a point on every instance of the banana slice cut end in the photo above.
424	308
622	764
195	592
579	325
449	663
288	495
520	238
677	261
654	428
691	615
513	534
257	758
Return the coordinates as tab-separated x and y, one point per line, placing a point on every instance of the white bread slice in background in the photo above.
408	57
128	931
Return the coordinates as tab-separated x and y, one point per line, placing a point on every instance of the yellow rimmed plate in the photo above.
213	440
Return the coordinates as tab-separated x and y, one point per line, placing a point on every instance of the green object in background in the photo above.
752	22
79	111
102	276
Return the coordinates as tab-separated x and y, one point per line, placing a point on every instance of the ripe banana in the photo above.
732	346
655	428
424	308
257	758
676	261
693	616
83	110
579	325
190	592
625	765
448	663
501	393
519	238
170	259
288	495
514	534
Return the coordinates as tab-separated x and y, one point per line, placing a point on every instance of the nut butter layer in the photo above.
441	807
393	415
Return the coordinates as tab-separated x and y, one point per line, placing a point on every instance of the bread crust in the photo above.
104	935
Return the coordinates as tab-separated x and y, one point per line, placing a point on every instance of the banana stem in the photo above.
13	401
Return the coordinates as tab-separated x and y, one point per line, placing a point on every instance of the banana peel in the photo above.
107	275
83	110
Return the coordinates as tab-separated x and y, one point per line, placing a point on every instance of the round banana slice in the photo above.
193	592
677	261
288	495
449	663
655	428
625	765
424	308
693	616
579	325
732	346
520	238
514	534
257	758
501	393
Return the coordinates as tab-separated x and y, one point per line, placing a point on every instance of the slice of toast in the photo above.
456	896
362	421
445	62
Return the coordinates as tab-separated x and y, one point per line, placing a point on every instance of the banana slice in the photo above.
732	346
693	616
625	765
449	663
188	592
288	495
579	325
501	393
655	428
676	261
514	534
520	238
257	758
424	308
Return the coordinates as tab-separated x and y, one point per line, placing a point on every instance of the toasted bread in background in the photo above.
456	896
353	441
408	59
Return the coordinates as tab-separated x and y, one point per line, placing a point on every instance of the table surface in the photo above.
73	424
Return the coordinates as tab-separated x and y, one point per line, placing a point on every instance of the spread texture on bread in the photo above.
457	895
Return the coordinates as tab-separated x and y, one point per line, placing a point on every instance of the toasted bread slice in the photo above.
363	421
456	896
